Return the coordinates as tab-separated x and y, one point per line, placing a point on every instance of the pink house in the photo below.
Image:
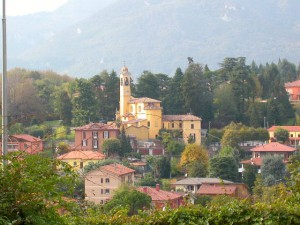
91	136
161	198
272	148
293	89
24	142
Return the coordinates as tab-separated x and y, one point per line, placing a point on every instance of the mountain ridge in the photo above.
158	35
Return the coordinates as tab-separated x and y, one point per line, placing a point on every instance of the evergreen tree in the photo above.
125	143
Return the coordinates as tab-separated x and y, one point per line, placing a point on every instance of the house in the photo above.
237	190
154	148
161	198
91	136
273	148
294	134
142	117
293	89
79	159
192	184
24	142
101	183
189	125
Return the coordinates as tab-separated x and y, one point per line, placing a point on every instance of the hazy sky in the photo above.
23	7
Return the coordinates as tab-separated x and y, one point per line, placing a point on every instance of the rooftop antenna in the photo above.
4	88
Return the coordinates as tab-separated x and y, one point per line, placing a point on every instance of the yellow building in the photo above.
294	134
144	112
79	159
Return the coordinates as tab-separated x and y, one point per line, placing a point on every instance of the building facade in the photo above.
293	89
101	183
90	137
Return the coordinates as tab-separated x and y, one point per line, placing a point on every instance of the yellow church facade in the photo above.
143	117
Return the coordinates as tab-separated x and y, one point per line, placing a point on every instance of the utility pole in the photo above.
4	87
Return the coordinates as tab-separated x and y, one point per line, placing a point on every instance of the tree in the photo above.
32	189
174	103
129	198
84	104
196	91
272	170
160	166
193	155
125	143
249	175
224	167
63	106
281	135
147	86
112	147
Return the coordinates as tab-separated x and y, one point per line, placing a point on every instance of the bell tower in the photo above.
125	92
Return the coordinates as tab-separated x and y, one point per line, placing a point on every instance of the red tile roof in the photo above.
217	189
26	137
83	155
159	195
98	126
288	128
292	84
187	117
133	121
253	161
117	169
273	147
143	100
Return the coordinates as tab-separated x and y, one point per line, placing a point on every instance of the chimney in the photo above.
157	187
145	190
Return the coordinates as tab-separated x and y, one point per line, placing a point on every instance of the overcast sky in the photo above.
23	7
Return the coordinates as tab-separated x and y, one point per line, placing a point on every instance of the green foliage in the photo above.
125	143
112	146
203	200
148	180
249	175
61	132
160	166
32	189
17	128
225	168
281	135
272	170
128	198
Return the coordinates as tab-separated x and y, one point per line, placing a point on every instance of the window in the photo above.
172	125
148	123
101	202
139	108
84	143
106	134
106	191
180	125
95	143
83	135
81	165
74	163
101	180
107	180
292	135
192	126
163	125
95	135
101	191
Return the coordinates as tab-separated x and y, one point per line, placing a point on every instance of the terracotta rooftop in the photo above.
273	147
288	128
159	195
117	169
293	84
98	126
217	189
187	117
143	100
83	155
197	180
253	161
26	137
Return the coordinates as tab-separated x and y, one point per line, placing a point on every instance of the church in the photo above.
143	117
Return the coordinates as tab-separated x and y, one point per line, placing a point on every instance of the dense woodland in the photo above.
251	94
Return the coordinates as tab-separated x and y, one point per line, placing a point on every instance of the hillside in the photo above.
84	37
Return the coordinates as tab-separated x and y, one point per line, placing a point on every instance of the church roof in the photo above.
187	117
143	100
